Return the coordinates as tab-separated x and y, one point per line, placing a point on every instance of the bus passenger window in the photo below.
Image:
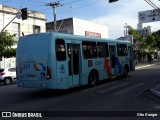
122	50
102	49
89	49
60	50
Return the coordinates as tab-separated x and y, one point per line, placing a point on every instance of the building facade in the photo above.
79	27
35	23
144	31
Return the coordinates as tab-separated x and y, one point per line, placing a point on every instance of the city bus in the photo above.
63	61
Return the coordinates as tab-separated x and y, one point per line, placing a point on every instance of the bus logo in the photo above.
6	114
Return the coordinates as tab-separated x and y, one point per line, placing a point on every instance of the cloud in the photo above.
124	12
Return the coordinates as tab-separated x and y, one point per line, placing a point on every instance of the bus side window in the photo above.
89	49
102	49
60	50
122	50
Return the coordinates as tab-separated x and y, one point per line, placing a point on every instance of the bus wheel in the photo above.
125	71
93	78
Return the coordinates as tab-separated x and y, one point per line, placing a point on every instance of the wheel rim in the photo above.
93	80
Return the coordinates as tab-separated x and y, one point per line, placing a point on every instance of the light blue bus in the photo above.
63	61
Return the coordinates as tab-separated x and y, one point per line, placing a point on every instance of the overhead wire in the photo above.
81	6
6	1
153	5
23	3
72	2
66	3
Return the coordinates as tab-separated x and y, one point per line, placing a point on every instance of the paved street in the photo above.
122	94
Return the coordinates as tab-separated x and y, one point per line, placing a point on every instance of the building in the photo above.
79	27
34	24
144	31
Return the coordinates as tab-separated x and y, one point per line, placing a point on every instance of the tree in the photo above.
137	39
148	44
157	38
150	41
6	43
136	36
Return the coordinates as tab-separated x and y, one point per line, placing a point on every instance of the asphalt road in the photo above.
122	94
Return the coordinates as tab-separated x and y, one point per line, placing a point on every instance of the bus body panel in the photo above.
33	58
94	64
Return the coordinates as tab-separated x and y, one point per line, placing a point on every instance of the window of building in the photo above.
102	49
36	29
60	50
16	30
89	49
122	50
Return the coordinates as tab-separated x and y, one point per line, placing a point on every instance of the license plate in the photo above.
31	77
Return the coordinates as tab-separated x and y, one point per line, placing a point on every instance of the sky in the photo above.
114	15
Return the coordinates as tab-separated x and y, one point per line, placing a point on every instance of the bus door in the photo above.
73	64
131	58
112	52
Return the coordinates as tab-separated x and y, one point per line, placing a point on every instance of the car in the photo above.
8	75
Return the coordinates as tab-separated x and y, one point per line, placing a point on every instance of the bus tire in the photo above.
125	71
92	79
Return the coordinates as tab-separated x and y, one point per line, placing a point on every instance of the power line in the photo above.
153	5
72	2
35	4
82	6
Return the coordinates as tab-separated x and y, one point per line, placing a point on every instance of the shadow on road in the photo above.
51	93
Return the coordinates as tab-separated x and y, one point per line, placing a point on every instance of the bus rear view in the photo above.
33	61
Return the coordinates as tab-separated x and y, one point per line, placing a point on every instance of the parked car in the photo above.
8	75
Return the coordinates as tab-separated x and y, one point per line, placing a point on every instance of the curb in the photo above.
155	92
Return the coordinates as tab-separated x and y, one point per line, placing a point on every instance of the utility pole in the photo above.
54	5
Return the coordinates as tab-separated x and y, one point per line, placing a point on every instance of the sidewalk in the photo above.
155	90
142	64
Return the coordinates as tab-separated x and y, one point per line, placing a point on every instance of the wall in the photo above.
80	26
25	26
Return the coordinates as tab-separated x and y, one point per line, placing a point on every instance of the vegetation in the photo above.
145	46
157	38
6	44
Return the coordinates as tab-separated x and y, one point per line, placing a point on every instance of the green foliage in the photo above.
6	43
148	44
157	38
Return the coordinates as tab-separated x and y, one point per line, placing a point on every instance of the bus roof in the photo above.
78	37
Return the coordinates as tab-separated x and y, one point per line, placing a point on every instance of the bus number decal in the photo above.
73	41
26	66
